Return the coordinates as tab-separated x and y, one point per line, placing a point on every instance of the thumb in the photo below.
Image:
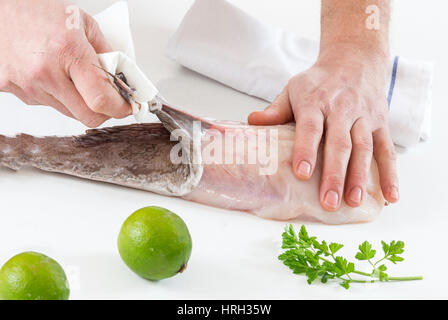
94	86
278	112
91	82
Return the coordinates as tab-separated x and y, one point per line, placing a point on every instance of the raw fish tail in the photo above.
136	156
21	150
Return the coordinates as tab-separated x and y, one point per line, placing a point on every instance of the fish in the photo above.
192	158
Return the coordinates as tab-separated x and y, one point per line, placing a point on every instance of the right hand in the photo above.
44	62
341	102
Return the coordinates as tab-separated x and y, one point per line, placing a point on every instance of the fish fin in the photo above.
127	133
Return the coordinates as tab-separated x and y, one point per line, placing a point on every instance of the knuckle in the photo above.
390	153
343	102
311	126
320	98
69	49
341	144
321	94
362	124
381	118
363	143
304	152
351	95
100	103
66	42
37	73
358	177
334	179
386	150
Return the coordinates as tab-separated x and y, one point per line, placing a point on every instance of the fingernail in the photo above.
394	193
355	194
331	199
304	169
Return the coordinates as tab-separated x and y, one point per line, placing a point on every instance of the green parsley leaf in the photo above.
365	251
345	284
335	247
316	260
394	259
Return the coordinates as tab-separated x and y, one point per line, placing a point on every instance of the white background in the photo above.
234	254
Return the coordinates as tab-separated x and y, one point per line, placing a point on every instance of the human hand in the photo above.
340	101
44	62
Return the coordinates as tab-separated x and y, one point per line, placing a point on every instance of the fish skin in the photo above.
138	156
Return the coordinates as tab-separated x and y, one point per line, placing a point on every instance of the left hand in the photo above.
340	100
44	62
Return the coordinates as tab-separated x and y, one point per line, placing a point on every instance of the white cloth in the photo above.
224	43
114	23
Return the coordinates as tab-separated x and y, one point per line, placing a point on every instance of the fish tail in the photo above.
17	151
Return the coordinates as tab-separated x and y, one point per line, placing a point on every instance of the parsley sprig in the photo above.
318	260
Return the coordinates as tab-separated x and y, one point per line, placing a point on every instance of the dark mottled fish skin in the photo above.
136	156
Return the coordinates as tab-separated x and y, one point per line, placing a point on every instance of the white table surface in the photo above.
234	254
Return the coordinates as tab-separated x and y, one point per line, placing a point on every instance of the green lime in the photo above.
33	276
155	243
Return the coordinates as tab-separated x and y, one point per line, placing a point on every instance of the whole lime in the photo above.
33	276
155	243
